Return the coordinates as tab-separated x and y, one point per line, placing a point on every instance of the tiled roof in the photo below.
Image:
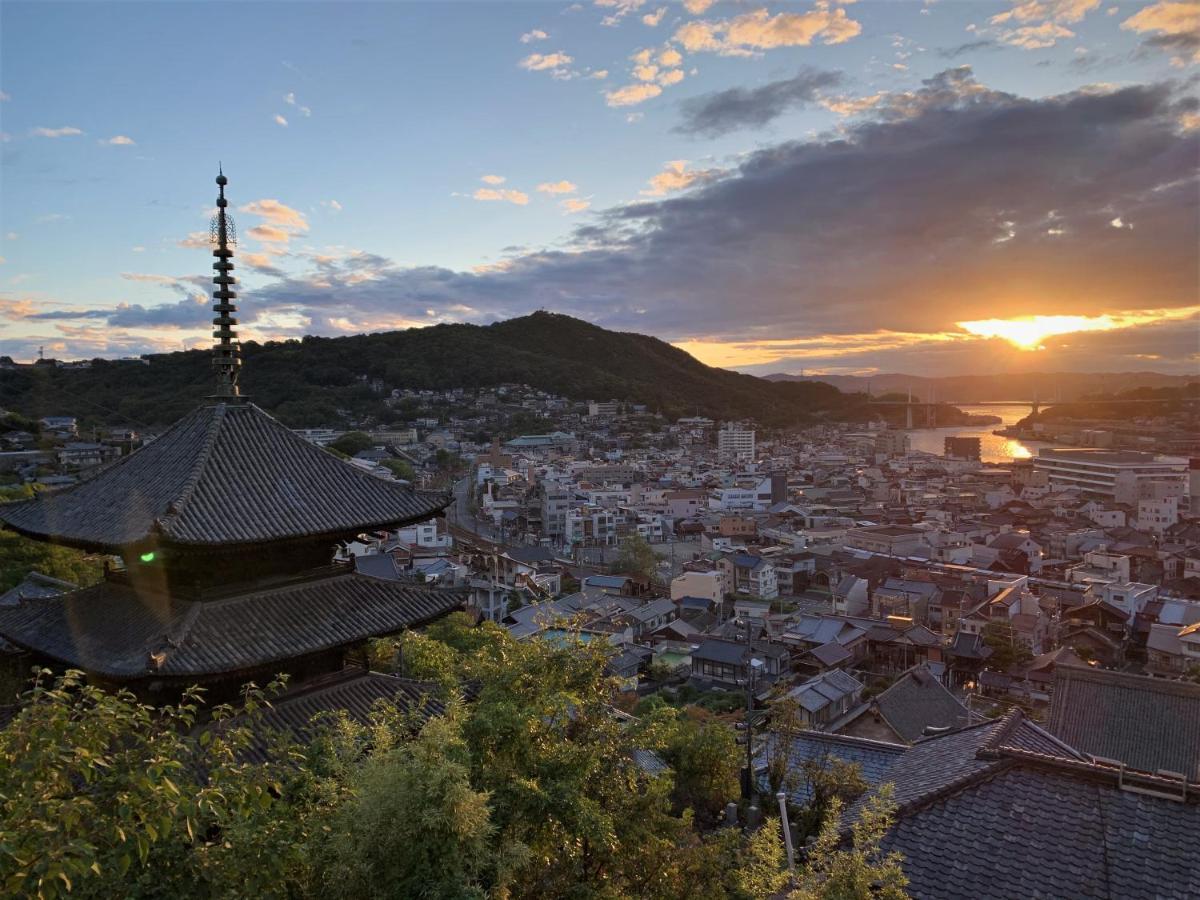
116	631
1146	723
224	474
826	688
917	701
873	758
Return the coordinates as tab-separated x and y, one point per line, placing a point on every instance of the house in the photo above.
826	697
1147	724
1093	830
709	585
729	662
916	705
754	575
851	596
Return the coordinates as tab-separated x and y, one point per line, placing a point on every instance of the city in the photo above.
815	517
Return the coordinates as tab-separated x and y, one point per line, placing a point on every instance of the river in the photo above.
992	447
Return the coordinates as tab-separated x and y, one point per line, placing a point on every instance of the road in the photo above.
460	520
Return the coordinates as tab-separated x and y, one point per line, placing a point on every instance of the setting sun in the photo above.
1028	332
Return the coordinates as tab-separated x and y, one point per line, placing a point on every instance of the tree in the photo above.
1008	651
414	826
706	763
19	556
862	871
400	468
636	557
103	796
352	443
830	781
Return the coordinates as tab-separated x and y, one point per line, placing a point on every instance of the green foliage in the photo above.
19	556
706	762
305	382
636	557
401	468
413	826
530	789
1008	652
832	781
352	442
102	796
862	871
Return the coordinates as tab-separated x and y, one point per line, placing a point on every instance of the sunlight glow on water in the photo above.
993	448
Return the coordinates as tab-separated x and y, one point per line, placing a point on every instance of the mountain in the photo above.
306	382
1049	387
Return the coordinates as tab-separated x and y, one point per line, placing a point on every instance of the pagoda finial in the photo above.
226	357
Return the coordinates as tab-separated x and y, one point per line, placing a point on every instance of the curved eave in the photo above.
165	541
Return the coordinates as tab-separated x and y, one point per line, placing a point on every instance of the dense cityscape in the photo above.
799	501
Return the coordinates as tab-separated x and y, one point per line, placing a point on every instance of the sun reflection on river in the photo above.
993	448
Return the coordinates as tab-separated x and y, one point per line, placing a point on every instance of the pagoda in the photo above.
227	525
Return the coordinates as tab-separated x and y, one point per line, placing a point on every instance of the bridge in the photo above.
930	406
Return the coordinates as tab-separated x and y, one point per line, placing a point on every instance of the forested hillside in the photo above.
305	382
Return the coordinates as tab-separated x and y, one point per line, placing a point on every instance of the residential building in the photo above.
735	443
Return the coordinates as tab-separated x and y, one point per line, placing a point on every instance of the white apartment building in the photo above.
735	443
1115	474
709	585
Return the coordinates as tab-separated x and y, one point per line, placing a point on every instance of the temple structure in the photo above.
226	525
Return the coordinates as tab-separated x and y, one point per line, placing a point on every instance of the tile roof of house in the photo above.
35	585
120	632
917	701
828	687
985	813
225	474
873	758
1146	723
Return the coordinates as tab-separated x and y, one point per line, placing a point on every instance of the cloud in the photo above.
632	94
119	140
887	225
677	176
262	264
270	234
756	31
64	131
508	196
674	76
536	35
574	205
493	179
558	187
968	47
290	99
653	19
279	219
555	63
599	74
280	120
5	96
698	7
1173	26
52	218
721	112
1036	24
670	57
621	8
196	240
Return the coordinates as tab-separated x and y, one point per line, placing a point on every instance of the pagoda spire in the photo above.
227	361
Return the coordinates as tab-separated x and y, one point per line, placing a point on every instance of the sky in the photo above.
925	186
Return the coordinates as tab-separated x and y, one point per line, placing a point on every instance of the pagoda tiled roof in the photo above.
119	632
226	474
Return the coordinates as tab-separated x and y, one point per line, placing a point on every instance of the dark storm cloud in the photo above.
949	203
720	112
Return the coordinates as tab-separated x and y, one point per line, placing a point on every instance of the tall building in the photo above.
735	443
226	527
892	444
957	447
1111	474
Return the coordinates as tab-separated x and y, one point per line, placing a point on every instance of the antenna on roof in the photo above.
226	356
